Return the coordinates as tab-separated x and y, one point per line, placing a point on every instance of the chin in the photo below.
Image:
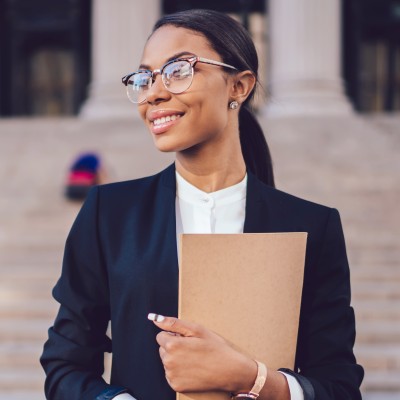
165	146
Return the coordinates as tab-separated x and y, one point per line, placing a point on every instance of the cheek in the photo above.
142	111
216	111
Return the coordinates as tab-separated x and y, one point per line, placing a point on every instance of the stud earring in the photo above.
233	105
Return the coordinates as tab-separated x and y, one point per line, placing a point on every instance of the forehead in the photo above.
169	40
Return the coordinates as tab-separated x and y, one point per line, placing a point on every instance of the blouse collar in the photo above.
190	193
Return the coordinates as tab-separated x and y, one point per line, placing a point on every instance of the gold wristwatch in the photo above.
258	384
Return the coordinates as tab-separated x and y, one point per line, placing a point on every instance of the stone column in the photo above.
305	59
120	30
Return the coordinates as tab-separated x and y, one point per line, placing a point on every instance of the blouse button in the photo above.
207	201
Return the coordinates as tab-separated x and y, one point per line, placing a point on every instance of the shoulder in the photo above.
286	206
139	188
134	200
288	201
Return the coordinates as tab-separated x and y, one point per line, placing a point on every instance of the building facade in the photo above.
316	57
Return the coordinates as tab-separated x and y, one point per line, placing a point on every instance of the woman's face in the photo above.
200	115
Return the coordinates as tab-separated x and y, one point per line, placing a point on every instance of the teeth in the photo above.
163	120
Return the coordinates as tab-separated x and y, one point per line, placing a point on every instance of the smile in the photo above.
163	120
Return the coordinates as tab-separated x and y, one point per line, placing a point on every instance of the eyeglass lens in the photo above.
177	77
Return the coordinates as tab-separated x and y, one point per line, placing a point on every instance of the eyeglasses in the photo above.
177	76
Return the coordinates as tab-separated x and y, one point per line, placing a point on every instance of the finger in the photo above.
165	337
162	352
175	325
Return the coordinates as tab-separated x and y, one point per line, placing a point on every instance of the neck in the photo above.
212	168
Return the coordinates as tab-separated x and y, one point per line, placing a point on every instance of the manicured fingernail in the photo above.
155	317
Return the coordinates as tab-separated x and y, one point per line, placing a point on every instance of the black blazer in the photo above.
120	263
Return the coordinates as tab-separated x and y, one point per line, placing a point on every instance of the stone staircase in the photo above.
351	164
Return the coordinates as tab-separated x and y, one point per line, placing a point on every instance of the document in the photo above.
247	288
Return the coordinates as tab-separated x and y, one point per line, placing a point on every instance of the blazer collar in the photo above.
257	219
168	178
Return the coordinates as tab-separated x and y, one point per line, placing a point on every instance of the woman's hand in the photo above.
197	359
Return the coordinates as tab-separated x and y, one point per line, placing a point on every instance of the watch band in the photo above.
259	383
242	396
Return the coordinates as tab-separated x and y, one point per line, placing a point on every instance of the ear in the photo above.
243	84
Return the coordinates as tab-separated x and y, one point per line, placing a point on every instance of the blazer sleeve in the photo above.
73	356
325	364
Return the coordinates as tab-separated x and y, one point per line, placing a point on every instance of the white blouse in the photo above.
222	211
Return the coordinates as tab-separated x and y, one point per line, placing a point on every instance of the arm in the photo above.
73	356
326	366
197	359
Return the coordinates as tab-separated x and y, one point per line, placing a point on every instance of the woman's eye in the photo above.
177	73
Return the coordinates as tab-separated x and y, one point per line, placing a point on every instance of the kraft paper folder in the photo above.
247	288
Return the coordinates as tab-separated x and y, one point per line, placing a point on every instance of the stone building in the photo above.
326	57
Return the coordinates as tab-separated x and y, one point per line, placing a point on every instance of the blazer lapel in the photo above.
169	254
257	219
168	180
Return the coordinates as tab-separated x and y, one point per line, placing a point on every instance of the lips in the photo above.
162	120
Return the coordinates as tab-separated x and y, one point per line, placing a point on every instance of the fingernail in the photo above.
155	317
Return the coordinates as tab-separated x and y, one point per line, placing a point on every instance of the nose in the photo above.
157	92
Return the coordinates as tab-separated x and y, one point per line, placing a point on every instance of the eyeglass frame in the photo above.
192	60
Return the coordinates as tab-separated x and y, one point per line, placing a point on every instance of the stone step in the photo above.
379	357
40	269
376	273
32	309
377	309
22	394
16	355
21	379
387	332
364	256
27	287
373	290
364	240
377	395
35	258
387	381
25	293
21	330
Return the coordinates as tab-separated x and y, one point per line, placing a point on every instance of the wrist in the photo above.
240	376
256	387
245	376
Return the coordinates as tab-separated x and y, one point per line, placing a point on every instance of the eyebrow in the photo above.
177	55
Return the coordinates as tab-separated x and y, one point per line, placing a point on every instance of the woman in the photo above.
120	260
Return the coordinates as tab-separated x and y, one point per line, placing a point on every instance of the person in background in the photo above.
85	172
193	89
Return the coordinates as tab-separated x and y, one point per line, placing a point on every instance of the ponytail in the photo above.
255	149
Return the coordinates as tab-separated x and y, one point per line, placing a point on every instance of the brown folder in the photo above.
247	288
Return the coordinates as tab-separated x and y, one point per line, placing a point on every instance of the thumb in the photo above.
175	325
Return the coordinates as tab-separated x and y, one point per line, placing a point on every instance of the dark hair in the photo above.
235	46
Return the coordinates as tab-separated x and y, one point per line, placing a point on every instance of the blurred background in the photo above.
329	105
